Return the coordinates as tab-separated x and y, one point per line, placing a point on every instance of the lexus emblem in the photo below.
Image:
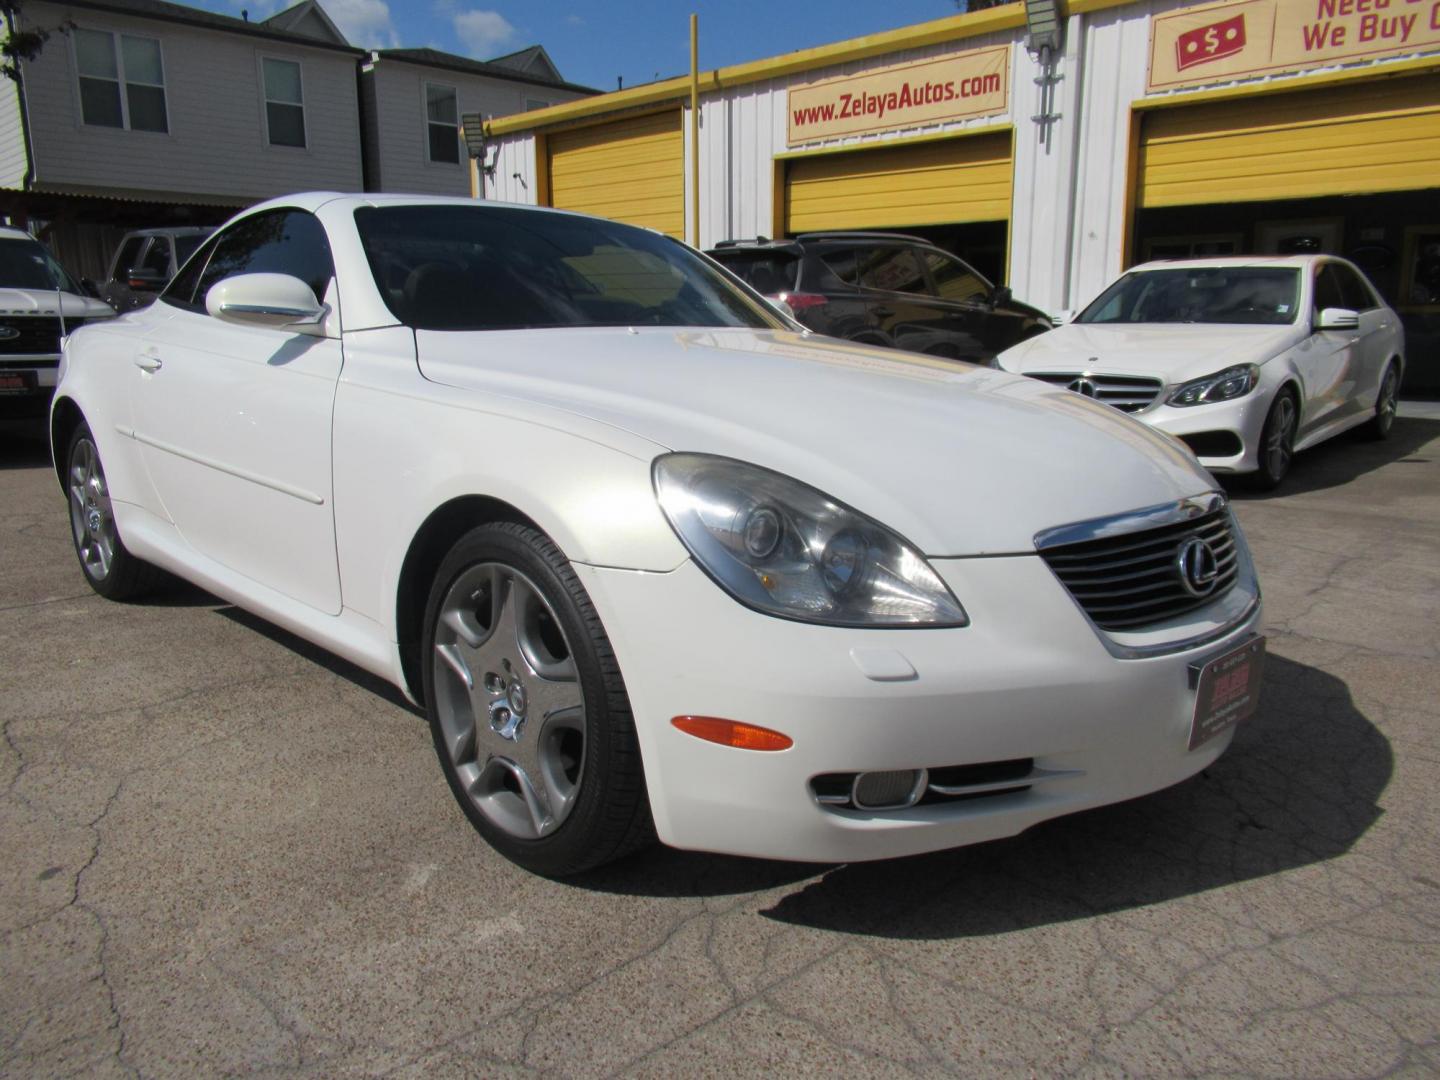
1084	387
8	333
1198	568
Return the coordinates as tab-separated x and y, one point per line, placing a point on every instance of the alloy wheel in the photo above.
1280	443
92	521
509	702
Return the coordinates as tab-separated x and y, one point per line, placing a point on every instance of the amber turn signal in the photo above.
733	733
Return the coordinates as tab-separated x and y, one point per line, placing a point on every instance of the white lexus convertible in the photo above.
1246	360
654	559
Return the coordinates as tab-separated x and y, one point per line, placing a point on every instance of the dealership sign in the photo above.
1219	42
910	95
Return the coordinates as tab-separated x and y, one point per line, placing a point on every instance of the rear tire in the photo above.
1277	441
1387	403
108	566
527	708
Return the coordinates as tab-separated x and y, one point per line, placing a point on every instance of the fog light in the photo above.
890	790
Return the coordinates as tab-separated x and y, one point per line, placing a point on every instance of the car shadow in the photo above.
1340	460
24	444
316	655
1299	786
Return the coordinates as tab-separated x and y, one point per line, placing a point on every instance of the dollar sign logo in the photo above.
1212	40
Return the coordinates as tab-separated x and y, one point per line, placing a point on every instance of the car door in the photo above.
898	302
1372	346
117	292
234	420
967	304
1327	358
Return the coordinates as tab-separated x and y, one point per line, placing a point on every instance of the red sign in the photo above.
1207	43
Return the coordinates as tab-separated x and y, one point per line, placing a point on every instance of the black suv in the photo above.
145	262
885	289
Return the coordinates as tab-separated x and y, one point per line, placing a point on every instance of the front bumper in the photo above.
1243	417
1029	678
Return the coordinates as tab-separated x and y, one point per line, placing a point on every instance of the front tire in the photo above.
1277	441
1387	404
108	565
527	708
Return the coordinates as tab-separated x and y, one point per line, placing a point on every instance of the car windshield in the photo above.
25	264
499	268
1211	294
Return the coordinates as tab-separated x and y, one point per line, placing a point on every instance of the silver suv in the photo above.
145	262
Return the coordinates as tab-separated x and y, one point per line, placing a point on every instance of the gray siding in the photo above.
399	122
216	145
12	136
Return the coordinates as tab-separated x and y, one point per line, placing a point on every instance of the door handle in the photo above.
148	362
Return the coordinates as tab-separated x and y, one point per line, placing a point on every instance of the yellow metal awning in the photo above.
1342	140
936	182
629	170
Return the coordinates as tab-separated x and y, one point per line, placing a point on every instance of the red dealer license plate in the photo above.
1228	691
16	382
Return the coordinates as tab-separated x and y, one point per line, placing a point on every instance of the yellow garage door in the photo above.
930	183
1341	140
629	170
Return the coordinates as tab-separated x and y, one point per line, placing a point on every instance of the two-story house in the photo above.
145	112
411	102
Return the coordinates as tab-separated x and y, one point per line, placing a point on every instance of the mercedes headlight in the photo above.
1233	382
783	548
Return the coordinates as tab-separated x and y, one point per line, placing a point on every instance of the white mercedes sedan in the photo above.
654	559
1246	360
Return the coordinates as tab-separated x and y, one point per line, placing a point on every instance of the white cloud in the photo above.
483	33
365	23
574	20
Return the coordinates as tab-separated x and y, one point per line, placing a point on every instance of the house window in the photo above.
284	103
442	123
122	81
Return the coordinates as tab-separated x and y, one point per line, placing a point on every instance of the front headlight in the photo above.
1233	382
783	548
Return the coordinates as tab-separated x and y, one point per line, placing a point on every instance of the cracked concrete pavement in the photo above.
222	852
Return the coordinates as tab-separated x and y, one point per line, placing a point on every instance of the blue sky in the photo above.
593	42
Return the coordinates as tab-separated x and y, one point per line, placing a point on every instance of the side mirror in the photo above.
89	288
1060	318
274	300
1001	295
142	280
1337	318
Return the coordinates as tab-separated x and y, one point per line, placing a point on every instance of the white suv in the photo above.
39	304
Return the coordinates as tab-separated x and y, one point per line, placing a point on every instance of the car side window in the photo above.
274	242
844	263
1357	294
891	269
952	279
1328	293
157	256
128	258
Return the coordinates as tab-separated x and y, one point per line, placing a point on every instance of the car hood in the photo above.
42	302
1171	352
961	460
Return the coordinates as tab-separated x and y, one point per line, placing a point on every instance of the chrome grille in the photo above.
1128	393
32	334
1133	580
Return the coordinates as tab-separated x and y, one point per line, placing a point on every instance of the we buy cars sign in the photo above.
1219	42
908	95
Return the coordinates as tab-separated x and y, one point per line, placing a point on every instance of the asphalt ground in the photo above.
224	852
